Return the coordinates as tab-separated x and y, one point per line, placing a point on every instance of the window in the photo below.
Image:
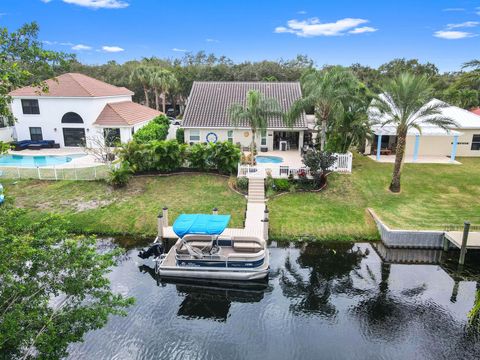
194	135
74	136
36	134
30	106
476	142
72	118
111	136
264	138
230	136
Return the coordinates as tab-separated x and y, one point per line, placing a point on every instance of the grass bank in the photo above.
432	196
93	207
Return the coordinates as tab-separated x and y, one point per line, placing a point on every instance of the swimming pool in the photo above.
268	159
35	160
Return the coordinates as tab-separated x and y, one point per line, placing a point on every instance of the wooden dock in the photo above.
256	218
455	237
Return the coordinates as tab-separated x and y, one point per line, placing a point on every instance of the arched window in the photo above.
72	118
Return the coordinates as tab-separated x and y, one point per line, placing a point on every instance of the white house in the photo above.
206	116
76	110
432	141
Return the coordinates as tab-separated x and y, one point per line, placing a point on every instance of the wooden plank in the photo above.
455	237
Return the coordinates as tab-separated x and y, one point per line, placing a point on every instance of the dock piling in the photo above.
463	249
160	225
215	211
165	216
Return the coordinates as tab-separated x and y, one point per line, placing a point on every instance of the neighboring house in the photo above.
206	117
463	140
76	110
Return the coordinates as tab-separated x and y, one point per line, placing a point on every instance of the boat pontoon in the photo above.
202	252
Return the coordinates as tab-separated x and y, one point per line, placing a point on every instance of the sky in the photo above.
370	32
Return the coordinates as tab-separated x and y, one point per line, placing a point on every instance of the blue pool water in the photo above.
268	159
33	161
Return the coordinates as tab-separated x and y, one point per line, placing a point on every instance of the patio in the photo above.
418	160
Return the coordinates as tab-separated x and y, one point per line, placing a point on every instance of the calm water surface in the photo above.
323	301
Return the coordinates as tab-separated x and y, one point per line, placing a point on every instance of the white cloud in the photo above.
80	47
46	1
179	50
112	49
313	27
99	4
66	44
463	25
362	30
452	35
454	9
302	12
212	40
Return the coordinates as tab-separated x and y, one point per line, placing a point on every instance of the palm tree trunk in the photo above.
253	146
157	102
163	101
323	134
397	169
145	90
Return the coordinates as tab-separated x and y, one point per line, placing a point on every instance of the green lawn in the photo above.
432	196
94	207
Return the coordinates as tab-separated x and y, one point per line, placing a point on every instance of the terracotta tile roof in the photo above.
73	85
209	102
125	113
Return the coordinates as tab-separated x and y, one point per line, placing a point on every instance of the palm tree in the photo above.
162	81
326	92
255	114
142	74
406	104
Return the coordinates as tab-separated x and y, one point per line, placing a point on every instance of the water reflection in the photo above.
330	300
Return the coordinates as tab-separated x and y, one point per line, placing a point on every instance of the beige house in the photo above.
206	116
431	141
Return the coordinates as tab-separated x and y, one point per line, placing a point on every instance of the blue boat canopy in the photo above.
201	224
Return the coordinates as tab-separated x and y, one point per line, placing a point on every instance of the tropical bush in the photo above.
281	185
180	135
157	129
119	177
163	156
242	183
222	156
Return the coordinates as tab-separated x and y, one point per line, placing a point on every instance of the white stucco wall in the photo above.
6	134
440	145
242	136
51	113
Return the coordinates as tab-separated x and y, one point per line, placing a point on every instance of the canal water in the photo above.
322	301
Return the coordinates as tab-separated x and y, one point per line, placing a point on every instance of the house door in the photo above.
74	136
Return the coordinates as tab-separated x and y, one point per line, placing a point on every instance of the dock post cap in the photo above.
215	209
160	215
466	222
266	210
165	208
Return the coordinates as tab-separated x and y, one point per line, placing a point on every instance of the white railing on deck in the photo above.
342	164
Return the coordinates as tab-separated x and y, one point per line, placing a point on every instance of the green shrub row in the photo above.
170	155
157	129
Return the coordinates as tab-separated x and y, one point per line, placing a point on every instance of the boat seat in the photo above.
247	246
205	245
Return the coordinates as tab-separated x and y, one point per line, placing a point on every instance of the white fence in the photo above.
53	173
342	164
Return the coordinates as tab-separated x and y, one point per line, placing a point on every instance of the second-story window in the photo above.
30	106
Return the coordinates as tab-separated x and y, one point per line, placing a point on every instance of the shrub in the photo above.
164	156
197	156
180	135
157	129
281	184
224	156
242	183
119	177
